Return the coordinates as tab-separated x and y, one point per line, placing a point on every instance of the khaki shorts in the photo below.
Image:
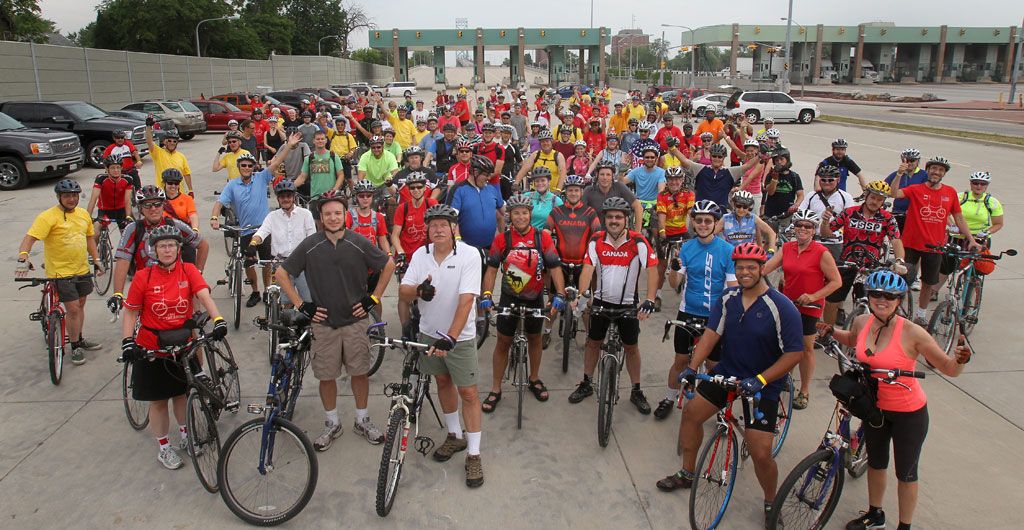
461	362
333	347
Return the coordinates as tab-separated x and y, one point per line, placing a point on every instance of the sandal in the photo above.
490	402
538	388
800	401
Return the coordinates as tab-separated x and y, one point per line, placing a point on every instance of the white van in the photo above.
400	88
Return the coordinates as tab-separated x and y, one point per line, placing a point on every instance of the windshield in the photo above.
174	107
84	111
188	106
270	99
231	107
8	123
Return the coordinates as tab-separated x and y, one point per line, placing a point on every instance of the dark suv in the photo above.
32	154
93	126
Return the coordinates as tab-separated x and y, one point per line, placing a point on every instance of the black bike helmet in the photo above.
112	160
540	172
828	171
163	232
172	176
717	150
172	135
482	164
285	186
840	143
441	211
67	186
519	200
120	134
605	164
615	203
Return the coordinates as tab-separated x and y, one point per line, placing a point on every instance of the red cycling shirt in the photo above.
111	192
363	225
126	151
927	214
413	230
163	298
524	265
573	226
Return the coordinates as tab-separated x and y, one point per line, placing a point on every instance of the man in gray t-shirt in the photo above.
337	263
606	186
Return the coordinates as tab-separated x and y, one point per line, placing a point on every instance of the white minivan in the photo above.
400	88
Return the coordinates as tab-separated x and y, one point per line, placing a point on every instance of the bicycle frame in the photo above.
281	396
408	397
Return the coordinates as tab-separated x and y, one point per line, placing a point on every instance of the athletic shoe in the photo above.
87	345
474	471
254	299
916	286
800	401
450	446
583	390
867	520
675	481
638	398
169	458
326	438
368	430
664	408
77	354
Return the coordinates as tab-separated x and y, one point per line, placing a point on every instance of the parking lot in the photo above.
69	459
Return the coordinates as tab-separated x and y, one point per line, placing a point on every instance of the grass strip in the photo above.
988	137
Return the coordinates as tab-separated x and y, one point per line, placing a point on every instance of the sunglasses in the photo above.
742	206
717	156
826	179
649	157
416	187
803	226
171	141
240	166
882	294
148	205
979	183
365	196
703	221
614	217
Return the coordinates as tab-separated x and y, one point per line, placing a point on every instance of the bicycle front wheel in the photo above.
567	327
606	399
377	335
715	477
55	345
236	273
810	492
282	480
943	325
222	363
136	411
203	441
972	303
519	380
273	317
396	443
785	415
106	255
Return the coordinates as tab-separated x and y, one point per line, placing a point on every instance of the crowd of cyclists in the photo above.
571	204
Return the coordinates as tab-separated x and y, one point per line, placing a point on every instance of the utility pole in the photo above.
789	43
1017	62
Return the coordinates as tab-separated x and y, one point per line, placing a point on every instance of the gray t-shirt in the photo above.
308	130
593	197
294	159
336	274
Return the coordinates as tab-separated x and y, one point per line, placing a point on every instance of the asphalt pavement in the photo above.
69	459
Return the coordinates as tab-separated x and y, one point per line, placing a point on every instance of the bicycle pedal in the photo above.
423	444
231	406
253	408
35	316
222	282
971	319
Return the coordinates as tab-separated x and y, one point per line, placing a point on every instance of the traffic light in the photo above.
752	47
663	63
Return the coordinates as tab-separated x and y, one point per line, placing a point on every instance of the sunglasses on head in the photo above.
882	294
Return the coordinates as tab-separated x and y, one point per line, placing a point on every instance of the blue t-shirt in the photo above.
647	182
542	208
428	141
753	340
477	206
249	201
736	230
918	177
707	267
714	185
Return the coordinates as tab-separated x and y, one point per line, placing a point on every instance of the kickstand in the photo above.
432	407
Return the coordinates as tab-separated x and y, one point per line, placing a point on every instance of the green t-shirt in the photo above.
395	149
976	213
378	169
322	172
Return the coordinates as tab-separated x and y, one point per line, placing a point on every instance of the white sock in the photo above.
332	416
361	415
163	442
657	293
473	443
918	312
183	430
672	394
452	421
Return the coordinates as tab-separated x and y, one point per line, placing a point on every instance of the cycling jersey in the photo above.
863	237
738	230
802	274
377	169
647	182
542	206
837	201
919	176
412	228
573	226
979	211
477	217
494	152
577	165
523	264
125	151
131	247
459	172
111	192
707	267
846	166
64	236
163	298
664	133
675	206
550	161
629	139
617	269
370	226
638	150
616	158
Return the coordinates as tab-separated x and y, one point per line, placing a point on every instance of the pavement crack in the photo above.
632	481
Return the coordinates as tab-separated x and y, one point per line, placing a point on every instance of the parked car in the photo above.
360	88
779	105
160	128
295	98
218	113
400	88
566	91
33	154
701	103
188	119
93	126
344	91
328	94
244	101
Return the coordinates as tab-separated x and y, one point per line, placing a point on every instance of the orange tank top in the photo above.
892	398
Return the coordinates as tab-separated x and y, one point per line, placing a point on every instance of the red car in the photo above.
218	113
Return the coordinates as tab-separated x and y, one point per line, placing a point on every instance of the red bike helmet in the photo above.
749	251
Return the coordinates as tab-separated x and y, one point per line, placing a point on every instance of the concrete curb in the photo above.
937	135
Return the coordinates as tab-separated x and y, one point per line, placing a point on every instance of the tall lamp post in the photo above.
225	17
789	45
803	76
693	51
319	42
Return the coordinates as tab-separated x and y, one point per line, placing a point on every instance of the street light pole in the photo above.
1016	63
789	44
803	77
318	49
693	51
226	17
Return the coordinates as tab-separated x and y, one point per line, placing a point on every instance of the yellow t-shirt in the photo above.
230	161
163	160
619	123
637	111
671	161
463	91
342	143
405	131
64	239
419	136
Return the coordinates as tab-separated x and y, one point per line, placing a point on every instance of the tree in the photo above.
85	37
20	20
422	57
164	27
355	18
370	55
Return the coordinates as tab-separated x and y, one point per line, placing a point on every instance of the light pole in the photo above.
225	17
318	49
1016	64
693	51
789	44
803	77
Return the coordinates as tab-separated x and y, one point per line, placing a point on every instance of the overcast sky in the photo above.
71	15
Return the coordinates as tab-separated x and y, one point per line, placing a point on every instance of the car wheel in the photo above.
408	93
187	137
753	116
13	174
94	153
806	116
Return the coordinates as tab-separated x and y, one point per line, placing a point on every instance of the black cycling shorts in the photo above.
262	250
950	264
666	242
717	395
120	217
906	431
629	328
930	262
684	341
506	325
848	275
809	324
75	287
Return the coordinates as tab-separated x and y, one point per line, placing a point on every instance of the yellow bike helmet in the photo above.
879	187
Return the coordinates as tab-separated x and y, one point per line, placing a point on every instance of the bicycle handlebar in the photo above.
522	312
732	384
694	327
625	312
388	342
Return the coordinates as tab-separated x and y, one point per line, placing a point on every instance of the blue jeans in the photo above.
301	287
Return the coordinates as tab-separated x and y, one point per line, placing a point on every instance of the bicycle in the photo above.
810	492
717	467
613	356
51	316
105	251
518	369
865	264
272	312
233	277
568	324
209	392
286	464
230	220
407	399
962	302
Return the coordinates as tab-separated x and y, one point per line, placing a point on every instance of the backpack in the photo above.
355	220
965	196
536	245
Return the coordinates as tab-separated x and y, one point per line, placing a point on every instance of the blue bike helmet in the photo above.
886	281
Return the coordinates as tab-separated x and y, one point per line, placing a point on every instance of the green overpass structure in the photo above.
589	42
898	53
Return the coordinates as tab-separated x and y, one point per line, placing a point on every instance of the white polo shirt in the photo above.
286	231
458	274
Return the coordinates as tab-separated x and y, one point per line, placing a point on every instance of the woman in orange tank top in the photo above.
883	339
